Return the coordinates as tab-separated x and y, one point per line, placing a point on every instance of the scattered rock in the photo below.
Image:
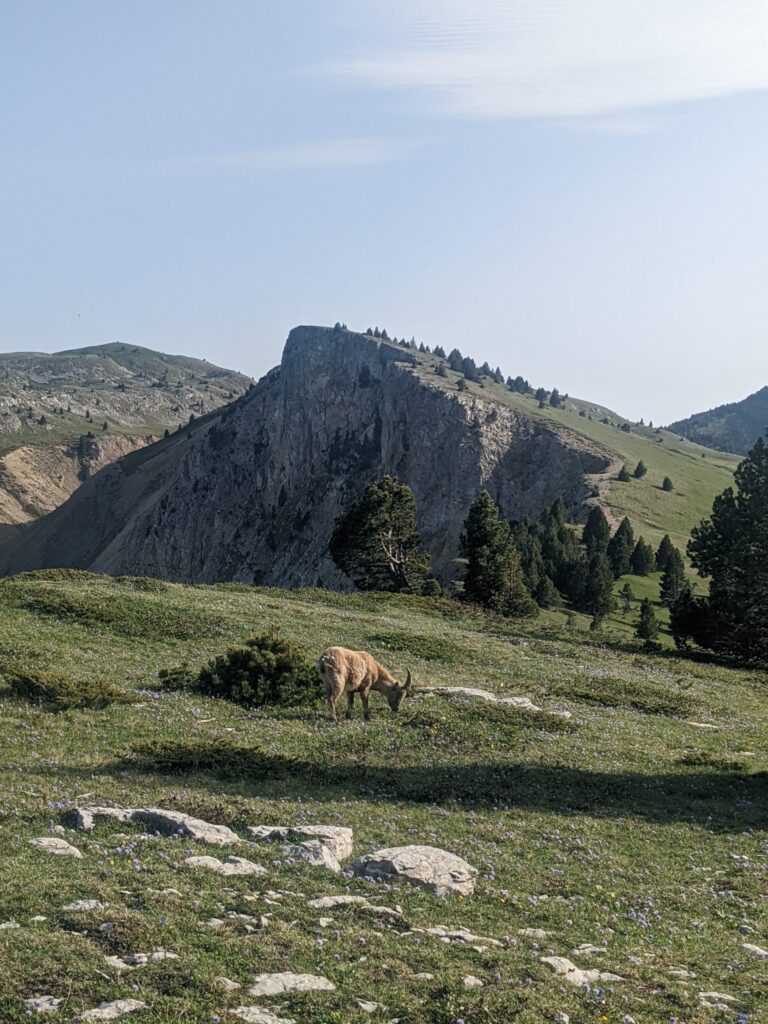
215	922
367	1006
718	996
562	1018
43	1004
523	703
83	905
162	820
52	844
257	1015
424	976
573	974
757	950
132	960
230	866
111	1011
227	985
285	981
704	725
680	972
337	839
460	935
8	926
313	852
85	816
470	981
329	902
533	933
587	949
433	869
382	911
325	922
38	918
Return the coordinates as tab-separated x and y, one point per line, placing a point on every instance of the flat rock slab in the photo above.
757	950
284	981
533	933
329	902
430	868
112	1011
84	905
131	960
335	837
574	975
229	866
369	1006
522	703
457	935
9	926
313	852
470	981
43	1004
162	820
257	1015
52	844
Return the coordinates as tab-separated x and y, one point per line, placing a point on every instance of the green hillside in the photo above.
637	826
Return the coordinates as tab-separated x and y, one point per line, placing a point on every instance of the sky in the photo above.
575	190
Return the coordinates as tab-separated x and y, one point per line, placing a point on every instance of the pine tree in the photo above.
547	595
667	484
666	547
540	395
468	368
624	475
648	626
599	600
620	548
494	576
627	597
640	470
643	559
375	541
554	398
455	360
673	580
438	350
441	370
597	532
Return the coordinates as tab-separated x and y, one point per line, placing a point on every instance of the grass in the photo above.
626	826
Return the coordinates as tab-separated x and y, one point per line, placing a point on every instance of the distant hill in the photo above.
728	428
251	492
64	416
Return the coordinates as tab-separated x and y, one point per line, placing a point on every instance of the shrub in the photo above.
181	677
268	670
61	693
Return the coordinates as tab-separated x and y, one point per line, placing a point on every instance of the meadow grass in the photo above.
626	826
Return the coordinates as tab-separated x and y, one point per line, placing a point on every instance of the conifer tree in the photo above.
640	470
663	552
620	548
494	576
648	626
455	359
643	559
554	398
439	351
667	484
624	475
599	600
597	532
627	597
673	580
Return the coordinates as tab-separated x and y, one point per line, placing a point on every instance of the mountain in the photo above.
53	411
251	492
729	428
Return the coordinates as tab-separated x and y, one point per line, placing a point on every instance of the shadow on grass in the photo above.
719	799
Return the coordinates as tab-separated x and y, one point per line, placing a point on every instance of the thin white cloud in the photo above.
566	58
319	153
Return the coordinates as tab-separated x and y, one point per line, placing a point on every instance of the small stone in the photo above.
573	974
587	949
257	1015
336	838
226	985
704	725
458	935
757	950
8	926
215	922
313	852
562	1018
424	976
230	866
329	902
38	919
111	1011
139	959
43	1004
436	870
680	972
533	933
84	905
60	847
325	922
284	981
367	1006
470	981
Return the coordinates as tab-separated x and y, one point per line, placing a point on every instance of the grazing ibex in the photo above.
351	672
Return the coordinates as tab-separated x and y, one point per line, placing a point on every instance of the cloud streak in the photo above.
566	58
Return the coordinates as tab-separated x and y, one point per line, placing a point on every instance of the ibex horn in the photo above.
408	680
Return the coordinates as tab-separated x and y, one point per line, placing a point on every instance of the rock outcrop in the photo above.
250	493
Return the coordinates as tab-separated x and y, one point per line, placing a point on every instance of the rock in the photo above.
459	935
680	972
533	933
313	852
284	981
424	976
574	975
329	902
139	959
704	725
335	837
367	1006
215	922
522	703
162	820
325	922
9	926
433	869
562	1018
85	816
60	847
470	981
587	949
718	997
382	911
257	1015
757	950
84	905
226	985
111	1011
230	866
43	1004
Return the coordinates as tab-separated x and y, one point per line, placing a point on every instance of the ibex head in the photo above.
396	694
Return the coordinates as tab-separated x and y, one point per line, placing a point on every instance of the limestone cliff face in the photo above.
251	492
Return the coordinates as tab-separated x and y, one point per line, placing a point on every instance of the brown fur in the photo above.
351	672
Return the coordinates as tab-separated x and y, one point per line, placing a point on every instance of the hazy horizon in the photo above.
570	190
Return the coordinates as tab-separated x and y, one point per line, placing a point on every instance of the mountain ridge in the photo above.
732	427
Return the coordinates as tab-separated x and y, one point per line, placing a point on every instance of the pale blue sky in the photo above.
576	190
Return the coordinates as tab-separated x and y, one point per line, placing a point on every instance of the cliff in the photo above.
251	492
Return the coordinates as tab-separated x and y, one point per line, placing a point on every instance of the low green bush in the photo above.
182	677
62	693
268	670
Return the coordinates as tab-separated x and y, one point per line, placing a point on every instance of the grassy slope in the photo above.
652	511
631	829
